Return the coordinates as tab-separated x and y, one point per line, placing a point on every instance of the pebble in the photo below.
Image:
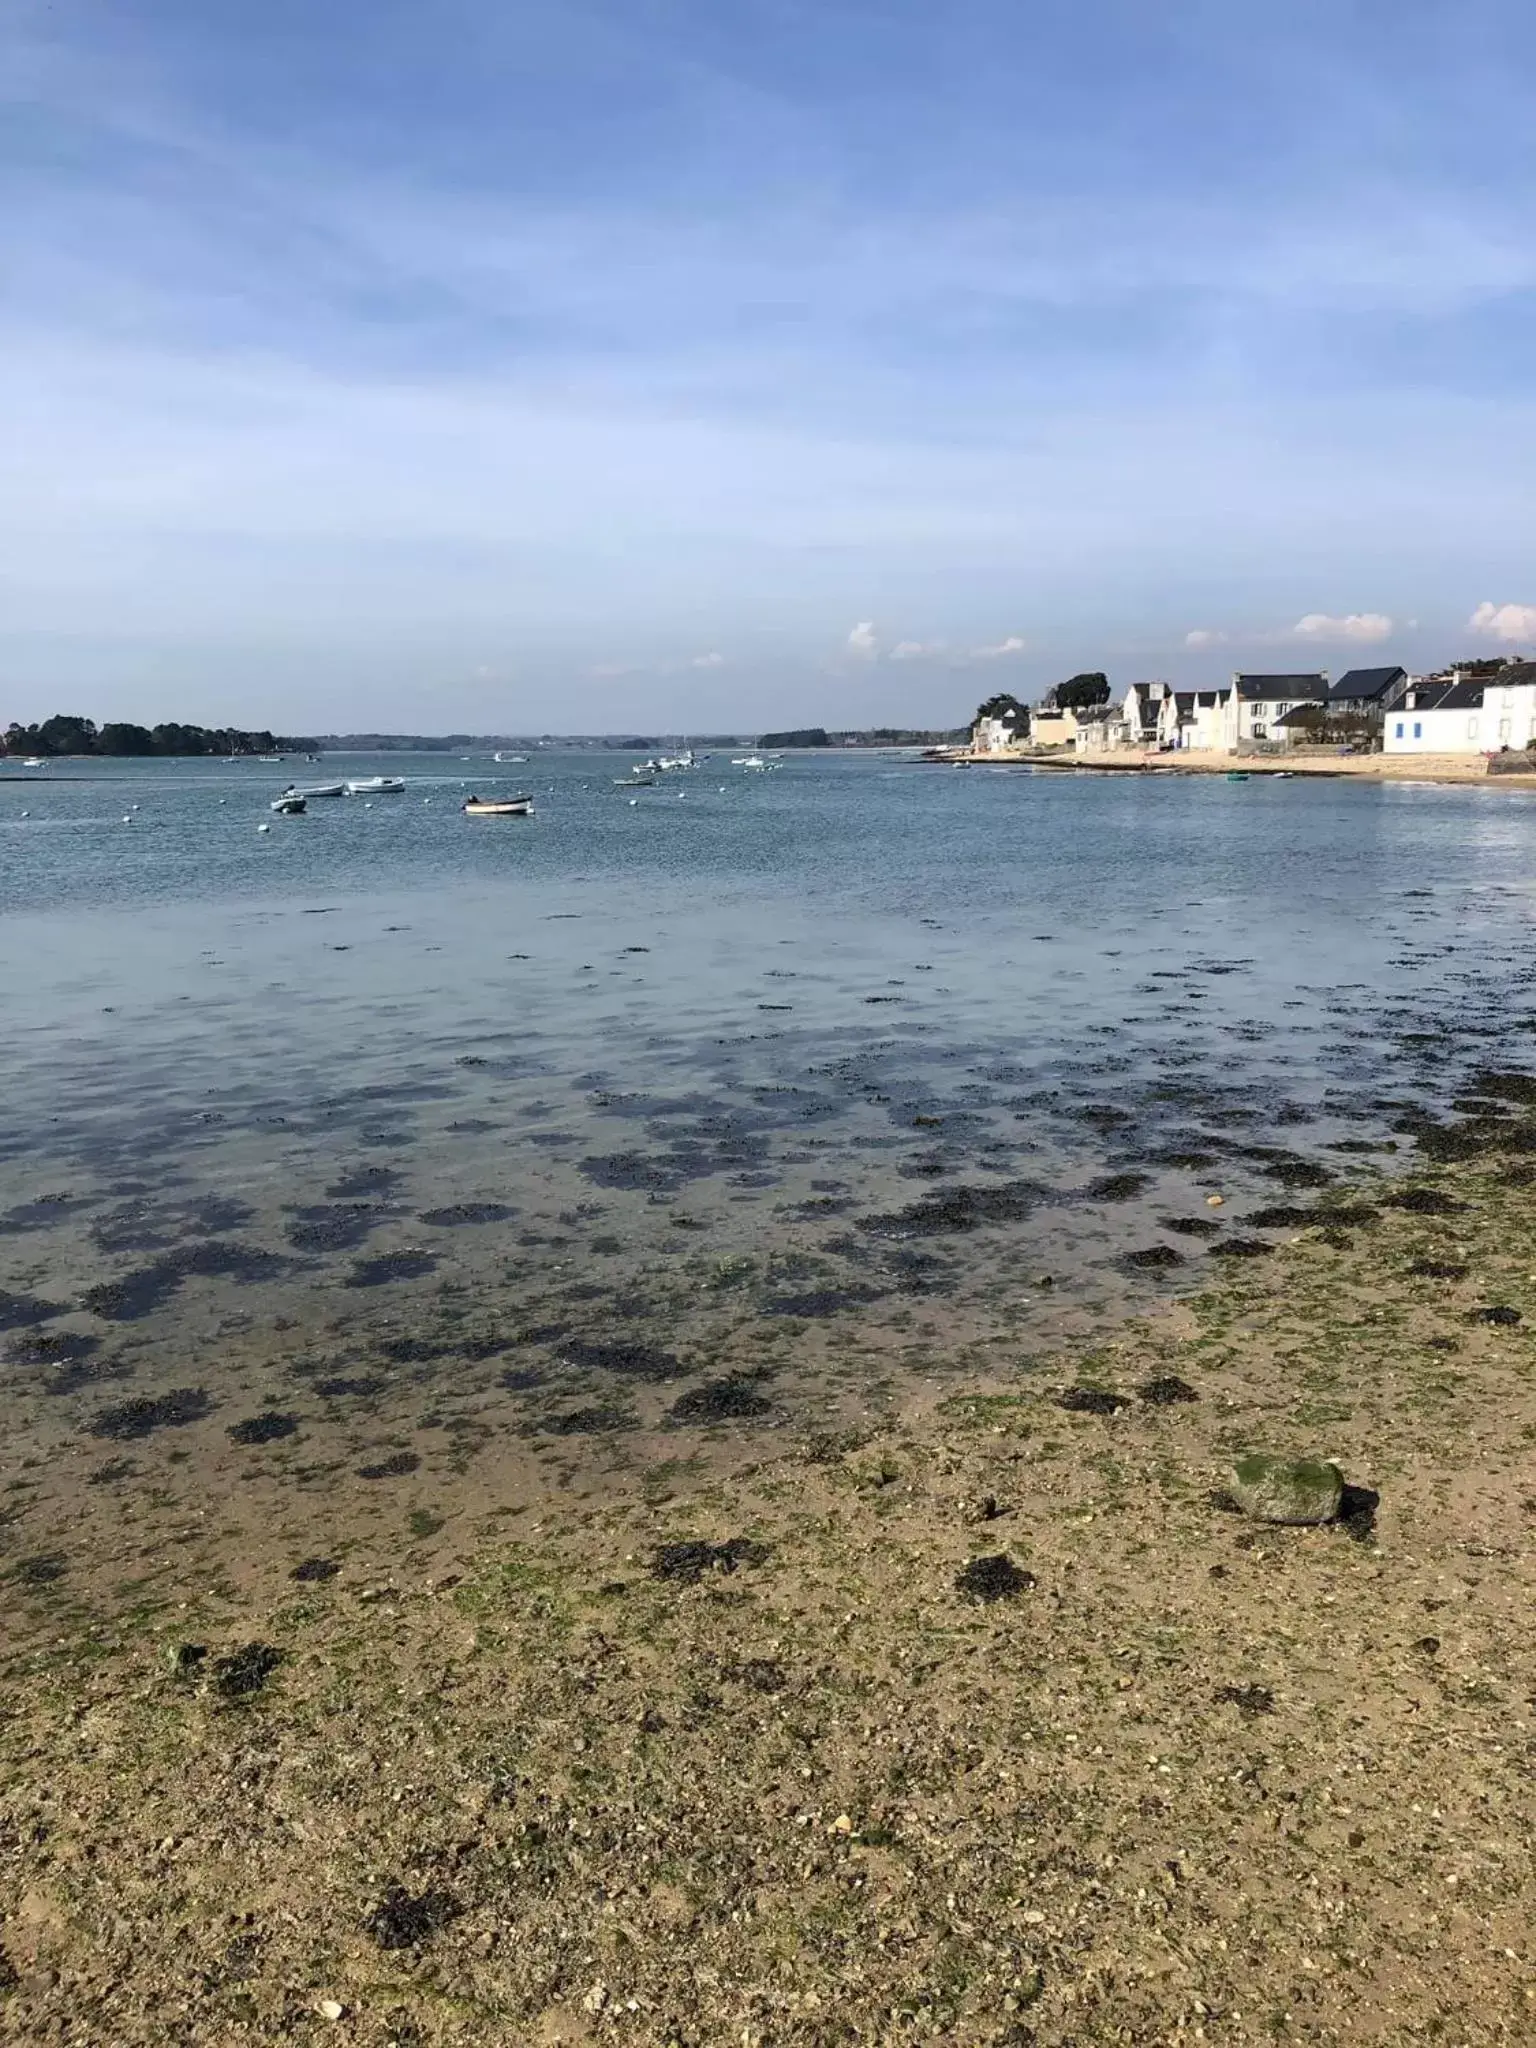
595	1999
1215	1201
330	2008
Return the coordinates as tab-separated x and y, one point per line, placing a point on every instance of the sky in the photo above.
521	365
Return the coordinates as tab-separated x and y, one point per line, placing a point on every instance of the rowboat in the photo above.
376	785
497	807
316	789
288	806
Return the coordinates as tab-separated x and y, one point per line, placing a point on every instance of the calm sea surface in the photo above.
746	1104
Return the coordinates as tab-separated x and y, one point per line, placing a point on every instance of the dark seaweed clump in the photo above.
340	1389
394	1467
1419	1202
727	1400
1090	1401
139	1293
993	1578
1505	1318
457	1213
819	1301
1155	1258
1192	1226
388	1266
1281	1216
39	1571
1241	1248
591	1421
404	1920
245	1671
688	1562
632	1361
333	1227
262	1429
1437	1269
1249	1700
50	1347
148	1412
20	1311
958	1209
315	1570
1163	1392
1117	1187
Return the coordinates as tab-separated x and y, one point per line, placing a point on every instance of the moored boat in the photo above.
512	760
316	789
376	785
497	807
290	806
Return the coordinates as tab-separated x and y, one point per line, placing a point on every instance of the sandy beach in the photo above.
1459	768
999	1725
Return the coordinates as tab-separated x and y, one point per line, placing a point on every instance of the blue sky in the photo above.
700	363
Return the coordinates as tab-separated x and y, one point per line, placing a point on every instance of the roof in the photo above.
1446	697
1515	675
1365	685
1274	689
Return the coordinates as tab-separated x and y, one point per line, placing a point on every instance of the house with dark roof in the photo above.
1370	690
1193	719
1257	703
1460	714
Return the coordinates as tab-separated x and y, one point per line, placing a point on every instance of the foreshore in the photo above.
760	1756
1460	768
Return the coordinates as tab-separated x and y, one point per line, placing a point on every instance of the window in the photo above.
1418	730
1399	733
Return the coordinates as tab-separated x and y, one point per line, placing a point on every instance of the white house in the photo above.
1256	704
1194	719
992	736
1142	715
1438	717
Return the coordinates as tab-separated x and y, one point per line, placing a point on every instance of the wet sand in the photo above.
741	1745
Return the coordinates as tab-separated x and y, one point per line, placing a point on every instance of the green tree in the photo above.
1082	692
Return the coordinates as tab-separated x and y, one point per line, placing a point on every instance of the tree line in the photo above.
64	735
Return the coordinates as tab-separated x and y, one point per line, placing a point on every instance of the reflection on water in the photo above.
391	1164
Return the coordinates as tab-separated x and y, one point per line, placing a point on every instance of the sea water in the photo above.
813	1090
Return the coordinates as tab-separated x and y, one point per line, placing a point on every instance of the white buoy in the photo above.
133	807
26	814
126	819
263	828
634	803
367	807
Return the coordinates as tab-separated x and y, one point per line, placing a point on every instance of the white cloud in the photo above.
863	641
710	660
1203	636
1363	628
1001	652
1505	621
916	650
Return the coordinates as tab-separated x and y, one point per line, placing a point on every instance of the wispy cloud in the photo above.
917	650
1204	636
1362	628
1003	651
1507	622
711	660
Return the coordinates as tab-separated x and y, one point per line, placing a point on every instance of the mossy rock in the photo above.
1298	1490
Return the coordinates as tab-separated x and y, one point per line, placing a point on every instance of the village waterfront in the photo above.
619	1427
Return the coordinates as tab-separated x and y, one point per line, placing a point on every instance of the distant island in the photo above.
875	736
58	737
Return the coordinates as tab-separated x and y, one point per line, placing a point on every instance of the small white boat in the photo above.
636	779
291	806
671	764
32	762
376	785
512	760
497	807
317	789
